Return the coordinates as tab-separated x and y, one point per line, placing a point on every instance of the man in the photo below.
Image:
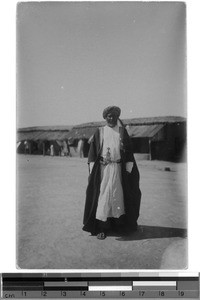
113	194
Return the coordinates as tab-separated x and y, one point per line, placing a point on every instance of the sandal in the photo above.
101	236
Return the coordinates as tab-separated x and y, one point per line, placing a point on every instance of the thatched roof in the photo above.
81	133
46	128
154	120
142	131
138	121
133	131
42	135
138	127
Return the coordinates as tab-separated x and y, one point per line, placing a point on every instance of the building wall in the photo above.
140	145
168	144
173	147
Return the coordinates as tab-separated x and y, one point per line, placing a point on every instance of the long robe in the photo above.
130	183
111	197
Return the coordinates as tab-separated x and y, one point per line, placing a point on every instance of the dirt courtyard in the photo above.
50	206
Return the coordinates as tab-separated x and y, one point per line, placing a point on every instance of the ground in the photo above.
50	206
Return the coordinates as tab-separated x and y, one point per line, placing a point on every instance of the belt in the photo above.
106	162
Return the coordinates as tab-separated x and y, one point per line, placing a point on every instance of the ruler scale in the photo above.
99	285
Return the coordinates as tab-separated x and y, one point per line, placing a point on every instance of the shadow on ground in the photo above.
153	232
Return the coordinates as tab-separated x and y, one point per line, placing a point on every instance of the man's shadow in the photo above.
152	232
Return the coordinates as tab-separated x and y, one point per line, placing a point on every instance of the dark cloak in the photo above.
130	183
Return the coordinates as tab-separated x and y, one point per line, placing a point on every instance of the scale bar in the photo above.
111	283
60	284
110	288
29	286
154	283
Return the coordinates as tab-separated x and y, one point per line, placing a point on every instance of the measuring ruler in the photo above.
99	285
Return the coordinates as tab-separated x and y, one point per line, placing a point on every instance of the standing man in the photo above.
51	150
113	194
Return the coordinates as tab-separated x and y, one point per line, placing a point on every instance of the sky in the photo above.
76	58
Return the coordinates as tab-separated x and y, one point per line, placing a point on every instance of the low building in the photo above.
40	140
158	138
161	138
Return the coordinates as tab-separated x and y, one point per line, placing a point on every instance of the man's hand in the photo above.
91	165
129	166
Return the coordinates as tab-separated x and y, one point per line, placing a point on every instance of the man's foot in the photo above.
101	236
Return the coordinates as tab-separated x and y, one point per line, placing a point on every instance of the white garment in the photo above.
111	199
129	166
111	140
51	150
116	155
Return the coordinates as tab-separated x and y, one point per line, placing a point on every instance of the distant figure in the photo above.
68	149
43	149
113	194
61	150
80	147
52	150
26	149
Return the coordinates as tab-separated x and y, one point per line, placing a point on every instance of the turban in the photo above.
111	109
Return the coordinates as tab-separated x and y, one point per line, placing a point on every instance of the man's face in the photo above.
111	120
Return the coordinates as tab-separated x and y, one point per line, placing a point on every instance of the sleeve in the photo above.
128	150
93	151
129	166
90	167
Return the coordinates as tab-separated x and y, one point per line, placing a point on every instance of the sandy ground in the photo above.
50	205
